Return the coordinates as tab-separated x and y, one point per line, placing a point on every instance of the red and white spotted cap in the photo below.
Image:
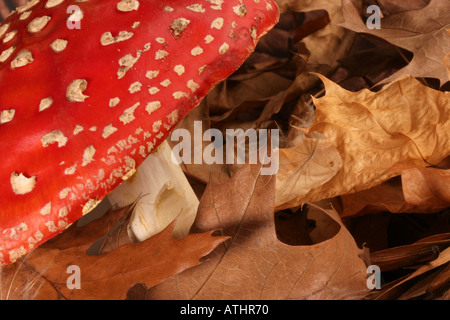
81	108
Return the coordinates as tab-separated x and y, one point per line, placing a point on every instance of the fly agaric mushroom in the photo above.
84	102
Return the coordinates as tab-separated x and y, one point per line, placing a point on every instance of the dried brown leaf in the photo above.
426	187
386	197
254	264
421	31
420	190
405	122
43	273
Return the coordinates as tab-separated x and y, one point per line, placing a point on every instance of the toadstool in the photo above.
87	94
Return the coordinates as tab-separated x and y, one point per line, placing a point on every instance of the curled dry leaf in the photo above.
254	264
386	197
397	289
421	31
418	253
419	190
43	273
405	122
426	187
429	255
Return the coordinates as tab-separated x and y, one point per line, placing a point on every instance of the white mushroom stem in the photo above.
166	195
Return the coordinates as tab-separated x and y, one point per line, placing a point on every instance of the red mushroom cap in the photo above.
81	108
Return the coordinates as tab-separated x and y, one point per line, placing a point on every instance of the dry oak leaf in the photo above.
374	131
254	264
43	273
421	31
